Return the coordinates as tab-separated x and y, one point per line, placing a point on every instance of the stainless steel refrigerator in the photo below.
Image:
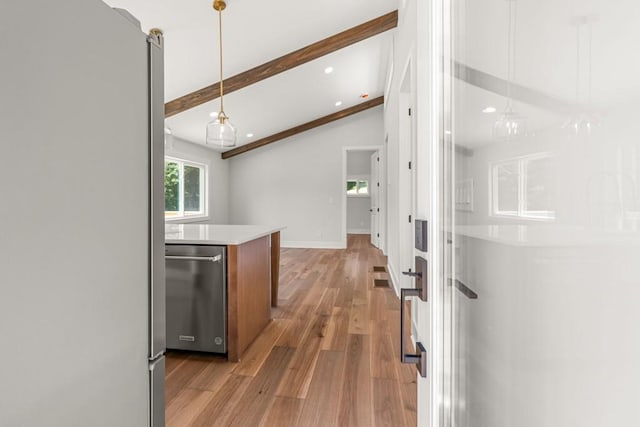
81	217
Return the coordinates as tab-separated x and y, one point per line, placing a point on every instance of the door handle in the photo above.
420	357
216	258
464	289
420	275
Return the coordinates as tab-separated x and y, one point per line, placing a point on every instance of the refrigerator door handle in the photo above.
216	258
157	290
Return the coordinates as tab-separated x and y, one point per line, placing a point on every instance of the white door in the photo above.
374	189
542	188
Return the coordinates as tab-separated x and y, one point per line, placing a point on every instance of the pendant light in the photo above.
220	132
510	123
582	121
168	139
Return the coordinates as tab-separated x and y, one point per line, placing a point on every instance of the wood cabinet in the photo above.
248	294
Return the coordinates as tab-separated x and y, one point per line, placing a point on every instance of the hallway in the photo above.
329	357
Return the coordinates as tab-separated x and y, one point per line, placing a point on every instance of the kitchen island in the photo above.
253	257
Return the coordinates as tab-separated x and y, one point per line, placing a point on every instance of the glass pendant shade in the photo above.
221	133
510	124
168	139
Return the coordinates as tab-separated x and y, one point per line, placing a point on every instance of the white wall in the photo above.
218	183
358	215
359	162
298	183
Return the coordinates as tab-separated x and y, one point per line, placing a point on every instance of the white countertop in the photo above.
215	234
547	235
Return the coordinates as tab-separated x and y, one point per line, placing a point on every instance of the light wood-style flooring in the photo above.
330	357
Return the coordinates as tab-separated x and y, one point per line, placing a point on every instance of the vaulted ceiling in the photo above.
256	32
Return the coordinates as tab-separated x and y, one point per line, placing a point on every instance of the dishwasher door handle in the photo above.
216	258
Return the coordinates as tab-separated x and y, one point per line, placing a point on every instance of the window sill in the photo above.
359	196
187	219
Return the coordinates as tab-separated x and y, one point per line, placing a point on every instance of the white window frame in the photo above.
203	214
358	178
521	213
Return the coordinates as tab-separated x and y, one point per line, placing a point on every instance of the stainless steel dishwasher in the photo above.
196	298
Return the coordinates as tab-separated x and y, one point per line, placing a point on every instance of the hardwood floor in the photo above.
330	357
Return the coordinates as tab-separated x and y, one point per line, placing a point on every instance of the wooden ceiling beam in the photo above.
309	53
304	127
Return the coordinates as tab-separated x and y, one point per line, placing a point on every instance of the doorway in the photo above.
363	193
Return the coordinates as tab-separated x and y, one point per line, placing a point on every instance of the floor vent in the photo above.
380	283
379	269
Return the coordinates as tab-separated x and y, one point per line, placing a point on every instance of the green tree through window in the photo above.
184	186
171	187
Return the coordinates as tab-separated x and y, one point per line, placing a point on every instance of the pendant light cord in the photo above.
221	81
590	28
509	55
511	51
578	25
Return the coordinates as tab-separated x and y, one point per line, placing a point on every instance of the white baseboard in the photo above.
394	279
358	231
311	244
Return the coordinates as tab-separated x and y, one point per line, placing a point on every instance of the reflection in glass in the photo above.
510	123
552	246
539	188
524	187
583	121
507	178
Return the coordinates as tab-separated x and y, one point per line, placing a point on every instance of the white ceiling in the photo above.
255	32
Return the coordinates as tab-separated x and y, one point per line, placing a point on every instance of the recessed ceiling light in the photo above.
339	103
364	96
214	114
489	110
168	131
249	135
328	70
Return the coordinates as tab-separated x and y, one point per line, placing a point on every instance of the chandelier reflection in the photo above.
510	123
583	121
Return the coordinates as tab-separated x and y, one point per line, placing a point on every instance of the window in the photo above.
184	189
357	187
523	187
